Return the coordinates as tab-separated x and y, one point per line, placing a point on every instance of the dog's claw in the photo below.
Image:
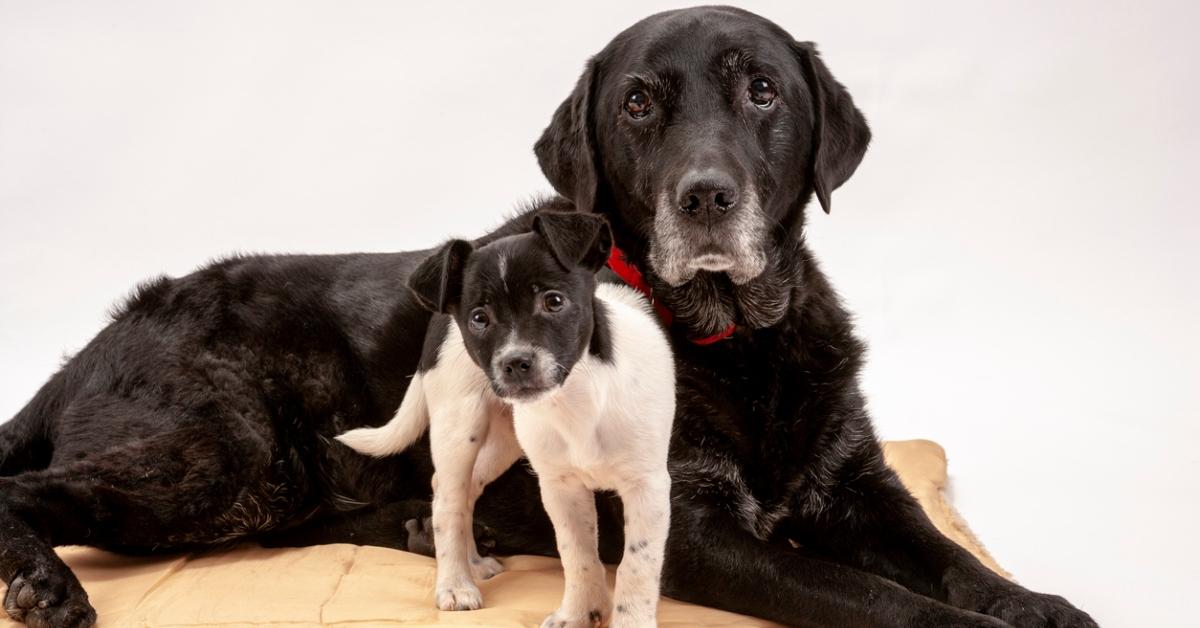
34	601
459	598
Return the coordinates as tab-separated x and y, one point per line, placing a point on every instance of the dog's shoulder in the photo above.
640	347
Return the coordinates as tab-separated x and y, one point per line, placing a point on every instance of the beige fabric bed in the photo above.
348	585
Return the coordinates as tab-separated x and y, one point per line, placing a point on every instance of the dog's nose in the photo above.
516	366
712	193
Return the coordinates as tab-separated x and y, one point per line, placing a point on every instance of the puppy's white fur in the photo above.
608	427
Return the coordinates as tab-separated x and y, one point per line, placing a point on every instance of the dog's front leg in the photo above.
647	507
456	434
572	510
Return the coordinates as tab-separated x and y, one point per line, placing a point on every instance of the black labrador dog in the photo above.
204	413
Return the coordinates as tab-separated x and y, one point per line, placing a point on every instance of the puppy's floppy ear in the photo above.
575	238
566	151
840	132
437	282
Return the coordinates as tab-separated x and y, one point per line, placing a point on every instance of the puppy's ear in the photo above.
437	282
840	132
566	151
575	238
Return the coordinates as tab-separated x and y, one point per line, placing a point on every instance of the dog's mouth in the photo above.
525	393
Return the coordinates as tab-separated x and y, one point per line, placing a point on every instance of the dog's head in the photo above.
524	303
703	133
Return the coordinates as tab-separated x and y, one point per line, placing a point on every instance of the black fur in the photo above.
204	412
498	294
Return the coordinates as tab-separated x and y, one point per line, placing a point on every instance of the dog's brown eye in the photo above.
554	301
479	320
762	92
637	104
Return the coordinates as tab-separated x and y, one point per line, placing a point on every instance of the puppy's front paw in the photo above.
485	567
459	597
562	618
1026	609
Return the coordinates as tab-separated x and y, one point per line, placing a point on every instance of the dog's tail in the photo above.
403	430
24	440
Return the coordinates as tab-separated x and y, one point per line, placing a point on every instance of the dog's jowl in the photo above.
584	374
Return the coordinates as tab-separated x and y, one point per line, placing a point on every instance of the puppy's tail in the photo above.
403	430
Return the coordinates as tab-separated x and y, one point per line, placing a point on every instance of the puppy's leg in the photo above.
498	453
572	509
456	433
647	505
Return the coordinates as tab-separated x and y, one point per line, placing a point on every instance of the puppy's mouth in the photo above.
524	393
682	246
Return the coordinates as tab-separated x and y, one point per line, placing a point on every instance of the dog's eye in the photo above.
479	320
554	301
762	92
637	104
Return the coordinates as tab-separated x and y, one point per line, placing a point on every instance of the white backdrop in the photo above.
1020	244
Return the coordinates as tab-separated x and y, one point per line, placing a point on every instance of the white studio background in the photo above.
1020	244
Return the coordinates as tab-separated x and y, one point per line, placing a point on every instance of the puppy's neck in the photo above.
599	346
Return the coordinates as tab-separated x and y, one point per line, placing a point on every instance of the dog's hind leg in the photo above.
457	431
174	489
500	450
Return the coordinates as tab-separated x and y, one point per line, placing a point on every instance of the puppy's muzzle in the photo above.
522	374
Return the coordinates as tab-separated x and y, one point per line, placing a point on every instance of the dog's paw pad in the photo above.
41	604
460	598
485	567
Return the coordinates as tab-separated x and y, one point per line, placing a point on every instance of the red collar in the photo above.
630	274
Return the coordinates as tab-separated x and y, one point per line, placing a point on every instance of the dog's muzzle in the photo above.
707	223
524	373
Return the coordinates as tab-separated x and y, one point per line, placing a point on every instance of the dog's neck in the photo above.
710	306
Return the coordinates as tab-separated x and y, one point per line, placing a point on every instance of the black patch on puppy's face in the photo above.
524	303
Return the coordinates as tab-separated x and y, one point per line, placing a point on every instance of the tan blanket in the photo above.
348	585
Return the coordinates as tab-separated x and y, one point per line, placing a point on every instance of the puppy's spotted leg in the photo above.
572	510
647	506
498	453
456	433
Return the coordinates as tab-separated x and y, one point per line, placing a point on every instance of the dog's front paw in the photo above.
49	600
462	596
563	618
1026	609
485	567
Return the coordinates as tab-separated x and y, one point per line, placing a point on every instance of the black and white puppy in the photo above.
584	374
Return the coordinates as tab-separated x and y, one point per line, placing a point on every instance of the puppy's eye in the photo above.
762	92
554	301
480	320
637	104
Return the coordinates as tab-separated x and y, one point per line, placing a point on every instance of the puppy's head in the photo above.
703	133
523	303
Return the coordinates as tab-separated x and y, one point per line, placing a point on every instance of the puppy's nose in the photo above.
517	365
710	193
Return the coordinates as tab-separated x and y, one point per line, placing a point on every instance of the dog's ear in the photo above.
575	238
840	132
566	151
437	282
